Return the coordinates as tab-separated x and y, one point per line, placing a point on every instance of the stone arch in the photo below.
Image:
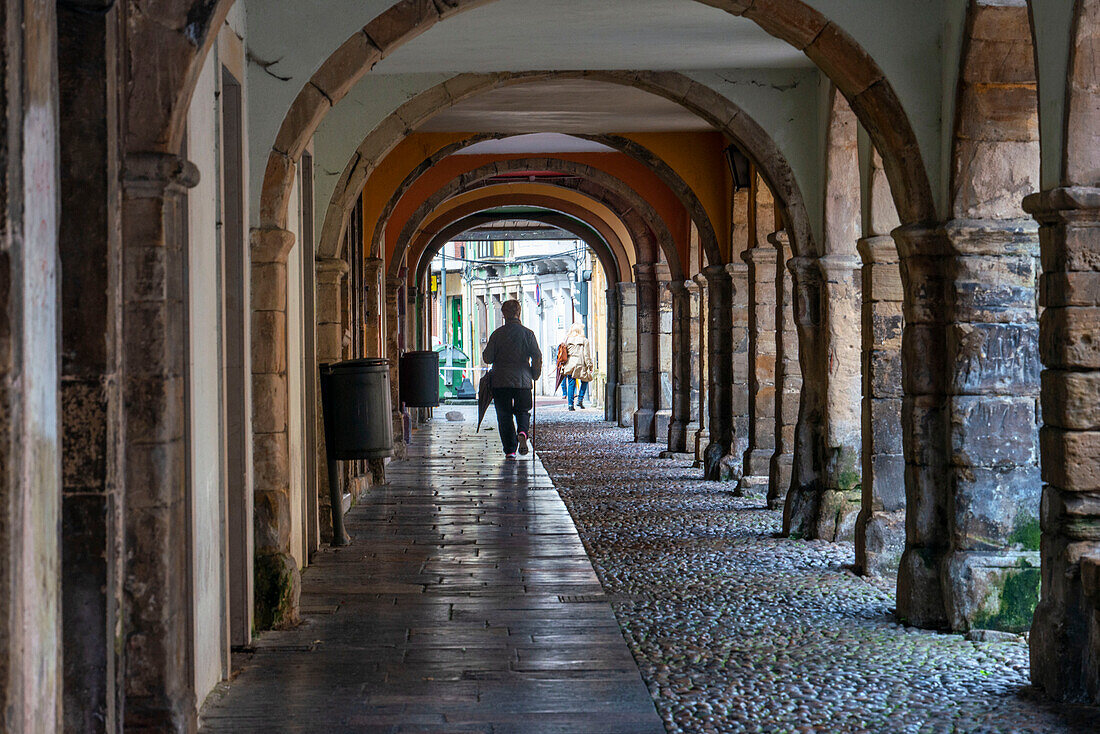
633	209
574	227
551	197
344	198
706	103
854	72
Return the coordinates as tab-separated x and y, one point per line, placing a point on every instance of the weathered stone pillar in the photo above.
880	527
680	358
648	333
720	367
694	363
30	429
393	329
92	503
800	512
788	375
702	437
1065	634
734	463
157	624
330	335
610	402
277	582
843	392
662	417
761	286
376	330
627	397
972	484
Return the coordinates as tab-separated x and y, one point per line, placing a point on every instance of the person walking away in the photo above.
514	353
562	358
579	366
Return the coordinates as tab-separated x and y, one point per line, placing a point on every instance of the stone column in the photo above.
1065	636
680	358
788	376
761	286
702	437
662	417
277	574
376	329
648	332
330	334
157	623
394	299
627	397
880	527
610	402
719	372
842	304
971	362
694	362
30	429
734	462
92	501
800	512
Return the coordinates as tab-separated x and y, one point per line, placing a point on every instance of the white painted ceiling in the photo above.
523	35
565	106
537	143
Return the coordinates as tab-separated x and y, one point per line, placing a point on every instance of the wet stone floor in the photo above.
467	603
737	630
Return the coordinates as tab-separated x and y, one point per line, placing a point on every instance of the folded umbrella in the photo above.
484	396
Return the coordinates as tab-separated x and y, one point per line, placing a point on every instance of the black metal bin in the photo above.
419	373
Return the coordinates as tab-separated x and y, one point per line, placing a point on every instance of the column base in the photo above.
628	403
662	422
920	595
278	586
643	425
836	517
1064	643
782	468
702	438
991	589
714	464
880	541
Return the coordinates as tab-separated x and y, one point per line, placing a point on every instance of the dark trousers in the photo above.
512	403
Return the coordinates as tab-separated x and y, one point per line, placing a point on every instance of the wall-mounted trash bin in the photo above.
355	399
419	373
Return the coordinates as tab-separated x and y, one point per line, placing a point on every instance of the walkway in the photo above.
466	603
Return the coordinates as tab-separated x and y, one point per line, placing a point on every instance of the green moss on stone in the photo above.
276	592
1026	533
1018	597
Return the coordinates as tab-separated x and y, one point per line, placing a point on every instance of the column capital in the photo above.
691	285
373	263
878	250
757	255
700	279
1064	204
837	267
805	270
394	282
737	270
716	274
647	271
330	270
152	175
992	237
270	245
780	238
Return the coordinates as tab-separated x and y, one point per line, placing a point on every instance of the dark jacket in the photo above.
514	354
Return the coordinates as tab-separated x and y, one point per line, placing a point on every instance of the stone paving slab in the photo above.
464	604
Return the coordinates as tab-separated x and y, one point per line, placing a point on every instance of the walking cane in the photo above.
534	403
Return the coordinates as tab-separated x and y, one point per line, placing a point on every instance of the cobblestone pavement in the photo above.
737	630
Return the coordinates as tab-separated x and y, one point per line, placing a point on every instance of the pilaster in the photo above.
680	358
330	274
701	438
627	393
734	462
